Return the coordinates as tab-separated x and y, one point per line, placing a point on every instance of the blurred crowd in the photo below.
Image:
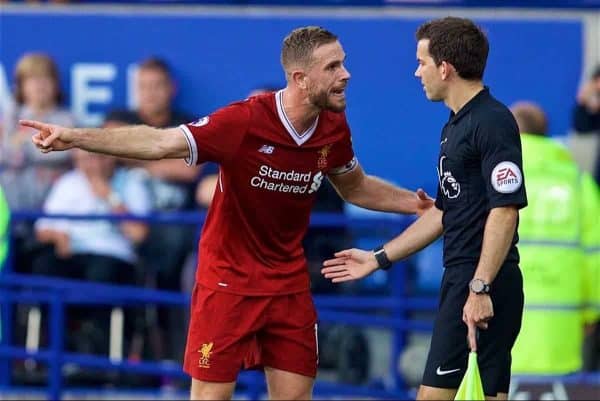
561	282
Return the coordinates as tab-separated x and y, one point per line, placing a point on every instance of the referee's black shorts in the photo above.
447	359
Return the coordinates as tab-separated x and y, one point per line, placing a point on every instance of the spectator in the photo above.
558	276
25	174
100	251
171	180
586	115
171	185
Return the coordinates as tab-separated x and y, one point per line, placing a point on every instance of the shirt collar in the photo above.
478	98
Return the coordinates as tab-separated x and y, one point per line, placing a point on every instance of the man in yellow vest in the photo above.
4	216
559	247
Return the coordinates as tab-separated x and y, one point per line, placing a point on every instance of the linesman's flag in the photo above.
471	388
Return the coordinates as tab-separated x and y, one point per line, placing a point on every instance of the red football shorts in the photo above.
229	332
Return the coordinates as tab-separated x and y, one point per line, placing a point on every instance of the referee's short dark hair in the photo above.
457	41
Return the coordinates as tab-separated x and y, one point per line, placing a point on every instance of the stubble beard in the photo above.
321	100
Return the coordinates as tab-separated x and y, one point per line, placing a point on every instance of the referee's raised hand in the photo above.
49	137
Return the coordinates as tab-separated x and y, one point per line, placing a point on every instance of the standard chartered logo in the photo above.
286	181
316	182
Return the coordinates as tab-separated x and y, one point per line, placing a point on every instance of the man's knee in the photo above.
202	390
499	396
285	385
435	393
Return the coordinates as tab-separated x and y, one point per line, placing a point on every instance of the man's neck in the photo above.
461	93
160	119
298	109
40	110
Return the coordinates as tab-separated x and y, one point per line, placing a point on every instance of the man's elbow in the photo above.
508	213
356	197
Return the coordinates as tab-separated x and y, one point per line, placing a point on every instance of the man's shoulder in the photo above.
493	114
261	109
179	117
333	120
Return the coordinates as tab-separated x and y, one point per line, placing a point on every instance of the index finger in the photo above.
34	124
334	261
472	335
346	253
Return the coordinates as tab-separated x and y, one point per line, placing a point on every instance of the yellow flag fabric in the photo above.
471	388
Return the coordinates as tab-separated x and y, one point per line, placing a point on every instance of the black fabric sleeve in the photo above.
438	198
498	142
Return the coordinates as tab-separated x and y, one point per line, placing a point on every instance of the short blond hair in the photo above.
36	64
530	117
299	45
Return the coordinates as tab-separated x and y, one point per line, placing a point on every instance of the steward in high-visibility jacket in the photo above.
559	243
4	217
4	220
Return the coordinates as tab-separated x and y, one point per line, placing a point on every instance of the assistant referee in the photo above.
481	189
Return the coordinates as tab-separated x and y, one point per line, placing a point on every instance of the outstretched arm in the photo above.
373	193
137	141
352	264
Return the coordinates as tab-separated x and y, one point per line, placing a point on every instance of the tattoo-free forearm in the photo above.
417	236
136	141
376	194
497	237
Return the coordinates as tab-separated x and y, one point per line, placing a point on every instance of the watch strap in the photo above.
383	261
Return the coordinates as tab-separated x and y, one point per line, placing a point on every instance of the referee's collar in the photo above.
478	98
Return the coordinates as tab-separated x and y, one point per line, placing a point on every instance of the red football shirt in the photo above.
251	242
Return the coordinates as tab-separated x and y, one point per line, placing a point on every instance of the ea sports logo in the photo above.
506	177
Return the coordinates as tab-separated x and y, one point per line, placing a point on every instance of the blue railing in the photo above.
350	310
58	293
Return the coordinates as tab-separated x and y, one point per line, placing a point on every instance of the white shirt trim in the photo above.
351	165
192	159
298	138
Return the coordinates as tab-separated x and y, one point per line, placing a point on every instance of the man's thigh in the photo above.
288	340
285	385
434	393
203	390
448	355
221	334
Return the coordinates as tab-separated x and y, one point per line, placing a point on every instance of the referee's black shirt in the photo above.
480	167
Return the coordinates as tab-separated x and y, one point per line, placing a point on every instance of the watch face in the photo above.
477	286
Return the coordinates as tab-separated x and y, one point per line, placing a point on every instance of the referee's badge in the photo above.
506	177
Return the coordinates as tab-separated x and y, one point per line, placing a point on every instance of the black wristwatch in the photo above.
382	260
478	286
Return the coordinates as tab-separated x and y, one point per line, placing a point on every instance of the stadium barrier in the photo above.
349	310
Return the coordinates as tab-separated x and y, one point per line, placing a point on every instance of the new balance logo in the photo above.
266	149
